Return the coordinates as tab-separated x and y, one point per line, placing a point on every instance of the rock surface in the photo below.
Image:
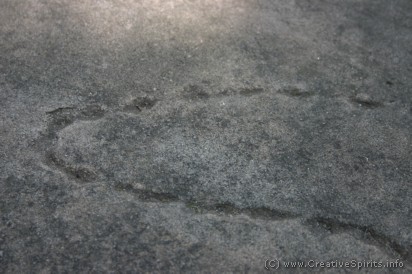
204	136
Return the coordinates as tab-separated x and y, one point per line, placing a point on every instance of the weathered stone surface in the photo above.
204	136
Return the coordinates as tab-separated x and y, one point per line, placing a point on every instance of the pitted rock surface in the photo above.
204	136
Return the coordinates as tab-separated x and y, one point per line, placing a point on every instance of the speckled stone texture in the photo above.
184	136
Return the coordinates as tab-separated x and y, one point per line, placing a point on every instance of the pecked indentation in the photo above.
365	100
139	104
293	91
77	172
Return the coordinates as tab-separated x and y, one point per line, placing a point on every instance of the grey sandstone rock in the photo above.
204	136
